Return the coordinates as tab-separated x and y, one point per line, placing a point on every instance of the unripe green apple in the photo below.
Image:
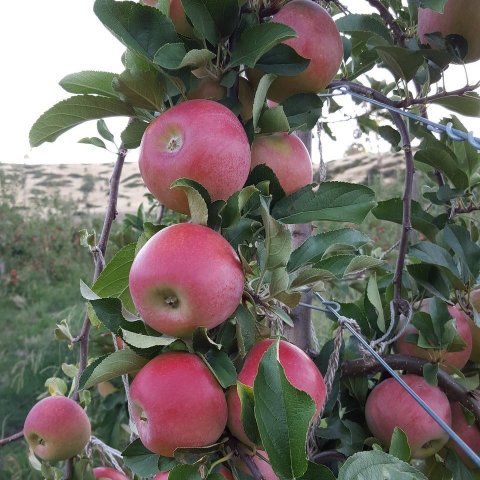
470	434
459	17
197	139
177	403
287	156
317	39
389	406
110	473
57	428
186	276
444	358
299	369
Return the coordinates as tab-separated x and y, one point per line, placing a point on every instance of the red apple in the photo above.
446	359
459	17
470	434
198	139
57	428
299	369
317	40
186	276
389	406
287	156
161	476
110	473
223	471
177	402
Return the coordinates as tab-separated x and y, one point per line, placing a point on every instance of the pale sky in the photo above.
49	39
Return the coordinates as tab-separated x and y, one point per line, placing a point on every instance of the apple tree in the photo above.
226	368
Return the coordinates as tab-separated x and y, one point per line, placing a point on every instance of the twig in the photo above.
328	456
110	216
453	390
397	32
11	438
407	102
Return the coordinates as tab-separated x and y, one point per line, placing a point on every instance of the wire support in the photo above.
334	308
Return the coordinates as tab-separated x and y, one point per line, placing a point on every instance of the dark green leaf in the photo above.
140	460
247	401
303	110
283	416
431	279
72	112
95	141
222	367
185	472
140	28
145	91
89	83
133	133
468	104
109	312
401	62
246	323
111	366
257	40
282	60
334	201
317	472
399	446
273	120
201	18
364	23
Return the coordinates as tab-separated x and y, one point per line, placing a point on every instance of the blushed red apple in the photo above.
317	39
197	139
57	428
470	434
222	470
110	473
186	276
299	369
287	156
177	402
389	406
459	17
444	358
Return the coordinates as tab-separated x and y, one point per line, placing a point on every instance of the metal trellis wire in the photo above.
334	308
453	133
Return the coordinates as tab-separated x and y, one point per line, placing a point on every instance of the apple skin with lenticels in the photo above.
177	403
201	140
389	406
186	276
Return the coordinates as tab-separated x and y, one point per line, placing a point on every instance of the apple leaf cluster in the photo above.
171	48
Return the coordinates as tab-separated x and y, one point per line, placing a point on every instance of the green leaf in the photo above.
401	62
222	367
140	28
145	91
202	20
257	40
392	211
195	455
273	120
311	276
431	279
113	281
377	465
364	23
184	472
317	472
138	340
110	366
170	55
430	373
247	402
282	60
443	160
399	446
198	199
133	133
303	110
260	96
246	323
374	297
109	312
312	250
95	141
104	132
467	104
278	241
334	201
232	211
283	416
458	239
140	460
89	83
72	112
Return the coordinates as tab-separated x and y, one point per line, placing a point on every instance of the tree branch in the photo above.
397	32
328	456
11	438
453	390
